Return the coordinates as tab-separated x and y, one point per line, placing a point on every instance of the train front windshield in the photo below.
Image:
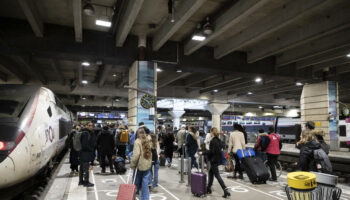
12	102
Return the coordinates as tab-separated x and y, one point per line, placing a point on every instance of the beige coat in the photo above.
236	141
138	160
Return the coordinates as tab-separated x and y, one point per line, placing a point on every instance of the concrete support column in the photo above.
176	114
319	103
216	109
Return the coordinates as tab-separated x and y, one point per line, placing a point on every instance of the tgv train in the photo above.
33	128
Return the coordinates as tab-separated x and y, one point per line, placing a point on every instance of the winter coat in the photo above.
236	141
306	159
73	155
258	146
168	144
87	146
137	159
191	143
180	137
214	152
274	145
105	142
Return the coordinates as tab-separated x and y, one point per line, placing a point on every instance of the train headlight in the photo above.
7	145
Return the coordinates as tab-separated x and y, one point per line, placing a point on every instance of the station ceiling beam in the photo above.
331	63
32	15
7	64
186	9
78	22
238	11
283	16
199	78
171	78
56	67
127	20
322	46
3	76
223	83
31	67
103	76
328	23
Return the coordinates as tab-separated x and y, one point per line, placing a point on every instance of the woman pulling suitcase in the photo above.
215	159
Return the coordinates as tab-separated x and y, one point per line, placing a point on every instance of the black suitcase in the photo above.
256	170
162	159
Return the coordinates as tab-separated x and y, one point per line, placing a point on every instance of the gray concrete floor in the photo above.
106	186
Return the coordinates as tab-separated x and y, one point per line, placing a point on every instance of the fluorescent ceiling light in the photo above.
258	79
249	93
117	99
348	55
114	75
261	107
179	70
215	90
198	37
85	63
84	82
103	23
83	105
159	70
298	84
84	98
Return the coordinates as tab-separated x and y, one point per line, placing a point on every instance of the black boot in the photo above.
226	193
208	190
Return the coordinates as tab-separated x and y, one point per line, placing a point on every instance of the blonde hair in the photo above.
146	147
307	136
215	131
154	141
318	132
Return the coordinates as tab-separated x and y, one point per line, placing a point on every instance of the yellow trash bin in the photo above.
302	186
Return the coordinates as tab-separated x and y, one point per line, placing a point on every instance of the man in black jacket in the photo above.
86	154
105	143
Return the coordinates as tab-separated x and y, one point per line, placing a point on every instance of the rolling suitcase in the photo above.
185	165
162	159
256	170
127	191
199	182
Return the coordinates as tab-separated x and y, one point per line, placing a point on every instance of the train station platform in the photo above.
65	187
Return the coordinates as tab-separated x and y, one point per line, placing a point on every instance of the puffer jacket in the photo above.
137	160
306	159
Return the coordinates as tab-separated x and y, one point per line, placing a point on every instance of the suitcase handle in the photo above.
135	173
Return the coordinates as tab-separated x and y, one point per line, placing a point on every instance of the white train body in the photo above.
33	129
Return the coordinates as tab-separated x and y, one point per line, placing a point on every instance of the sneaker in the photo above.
169	164
112	171
88	184
81	183
103	171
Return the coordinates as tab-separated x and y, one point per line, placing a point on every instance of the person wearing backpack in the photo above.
236	142
105	144
155	162
260	145
192	145
274	144
86	154
73	154
319	137
122	140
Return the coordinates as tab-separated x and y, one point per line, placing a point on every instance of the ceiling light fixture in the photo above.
84	82
215	90
83	105
348	55
85	64
298	84
117	99
179	70
159	70
88	9
208	28
104	23
261	107
258	80
198	35
171	10
83	98
114	75
250	93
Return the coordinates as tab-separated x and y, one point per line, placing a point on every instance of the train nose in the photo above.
7	172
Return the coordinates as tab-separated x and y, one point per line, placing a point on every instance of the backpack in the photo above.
77	141
264	143
124	136
325	147
322	161
154	155
119	166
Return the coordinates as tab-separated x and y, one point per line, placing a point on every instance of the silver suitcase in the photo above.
326	179
185	165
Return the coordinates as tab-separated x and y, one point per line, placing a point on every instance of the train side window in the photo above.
49	111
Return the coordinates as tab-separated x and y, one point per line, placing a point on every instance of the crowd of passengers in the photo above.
145	150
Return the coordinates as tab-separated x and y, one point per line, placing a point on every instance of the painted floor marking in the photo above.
76	192
168	192
94	182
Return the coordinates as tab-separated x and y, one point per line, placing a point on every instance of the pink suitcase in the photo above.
127	191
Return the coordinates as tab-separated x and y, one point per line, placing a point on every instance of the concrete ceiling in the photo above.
43	42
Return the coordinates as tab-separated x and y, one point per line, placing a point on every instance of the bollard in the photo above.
202	163
182	166
189	171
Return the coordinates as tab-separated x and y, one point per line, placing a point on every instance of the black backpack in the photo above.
119	166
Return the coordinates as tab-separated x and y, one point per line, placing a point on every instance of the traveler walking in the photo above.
105	143
155	161
215	159
236	142
260	145
142	161
192	145
86	154
122	140
169	146
73	154
180	138
274	144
